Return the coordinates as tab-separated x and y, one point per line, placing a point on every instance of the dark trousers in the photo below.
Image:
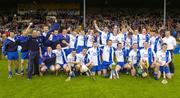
171	64
33	63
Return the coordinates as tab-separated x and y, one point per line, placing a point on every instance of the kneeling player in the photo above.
60	59
147	60
83	64
48	61
163	60
71	61
121	59
134	57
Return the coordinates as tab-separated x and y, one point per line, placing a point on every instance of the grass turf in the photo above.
51	86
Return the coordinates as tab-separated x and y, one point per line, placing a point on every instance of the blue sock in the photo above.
10	73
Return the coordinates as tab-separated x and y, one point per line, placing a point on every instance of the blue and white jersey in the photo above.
105	37
120	55
82	59
128	43
155	43
72	41
80	39
134	56
94	55
60	56
163	57
147	54
90	39
108	54
114	40
142	39
120	38
136	39
71	59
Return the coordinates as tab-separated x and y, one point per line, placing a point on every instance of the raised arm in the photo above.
27	29
96	26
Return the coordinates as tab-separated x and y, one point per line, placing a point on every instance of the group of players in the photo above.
106	53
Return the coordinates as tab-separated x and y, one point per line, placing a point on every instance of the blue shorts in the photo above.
166	69
105	64
12	55
79	49
24	55
121	64
96	68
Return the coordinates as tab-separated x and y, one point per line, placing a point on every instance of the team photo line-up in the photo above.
106	51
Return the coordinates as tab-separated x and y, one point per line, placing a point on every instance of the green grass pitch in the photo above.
51	86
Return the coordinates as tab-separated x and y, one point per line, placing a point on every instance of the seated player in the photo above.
48	61
60	59
163	60
121	59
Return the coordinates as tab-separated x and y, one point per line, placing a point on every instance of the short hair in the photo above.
164	44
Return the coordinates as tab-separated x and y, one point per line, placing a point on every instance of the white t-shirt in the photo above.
170	41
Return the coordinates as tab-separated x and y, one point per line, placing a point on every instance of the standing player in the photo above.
155	41
80	41
171	45
94	55
9	49
90	38
163	60
23	42
108	57
105	34
136	37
